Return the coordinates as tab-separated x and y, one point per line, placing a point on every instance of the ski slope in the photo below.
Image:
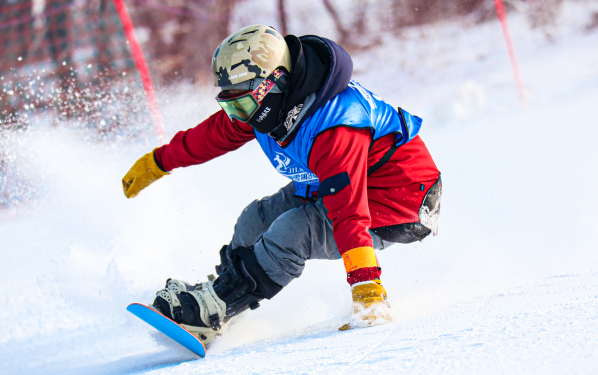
510	285
541	328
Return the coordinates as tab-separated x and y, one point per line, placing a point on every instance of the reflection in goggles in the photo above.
241	108
244	106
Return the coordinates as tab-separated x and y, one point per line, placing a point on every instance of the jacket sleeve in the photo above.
336	153
214	137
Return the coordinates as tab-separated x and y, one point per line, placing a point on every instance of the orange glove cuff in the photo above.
360	257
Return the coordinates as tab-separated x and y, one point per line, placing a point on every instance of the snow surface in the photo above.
509	285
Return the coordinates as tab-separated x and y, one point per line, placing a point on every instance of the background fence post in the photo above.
500	11
141	67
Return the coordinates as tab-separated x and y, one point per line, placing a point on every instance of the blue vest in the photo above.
354	107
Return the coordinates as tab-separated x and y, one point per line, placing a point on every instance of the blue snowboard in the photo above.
168	327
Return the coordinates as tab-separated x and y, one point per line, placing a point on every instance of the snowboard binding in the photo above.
197	308
205	309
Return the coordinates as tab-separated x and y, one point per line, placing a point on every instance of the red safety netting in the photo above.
65	56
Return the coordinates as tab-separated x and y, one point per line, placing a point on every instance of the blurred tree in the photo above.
418	12
541	14
182	36
593	24
282	17
352	34
343	33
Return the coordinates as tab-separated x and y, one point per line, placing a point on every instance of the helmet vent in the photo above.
235	66
277	35
237	41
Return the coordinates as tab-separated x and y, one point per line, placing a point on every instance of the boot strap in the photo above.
172	299
212	308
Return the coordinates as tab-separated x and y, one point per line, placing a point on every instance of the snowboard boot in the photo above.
196	308
370	306
206	308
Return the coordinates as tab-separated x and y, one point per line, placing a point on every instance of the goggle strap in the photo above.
263	88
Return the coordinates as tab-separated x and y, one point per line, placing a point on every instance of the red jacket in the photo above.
391	195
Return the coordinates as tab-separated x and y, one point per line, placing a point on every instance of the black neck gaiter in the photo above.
266	118
308	76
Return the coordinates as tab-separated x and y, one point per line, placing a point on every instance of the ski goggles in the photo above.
243	106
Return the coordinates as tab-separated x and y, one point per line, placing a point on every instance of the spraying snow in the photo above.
519	206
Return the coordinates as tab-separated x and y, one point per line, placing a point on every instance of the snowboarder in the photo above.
362	178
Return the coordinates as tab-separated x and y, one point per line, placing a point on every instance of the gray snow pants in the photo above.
286	231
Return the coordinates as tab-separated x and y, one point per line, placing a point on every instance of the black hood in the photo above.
321	70
339	73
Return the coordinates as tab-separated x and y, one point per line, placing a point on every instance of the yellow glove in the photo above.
369	307
141	175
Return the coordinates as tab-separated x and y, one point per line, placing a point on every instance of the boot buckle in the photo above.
215	322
